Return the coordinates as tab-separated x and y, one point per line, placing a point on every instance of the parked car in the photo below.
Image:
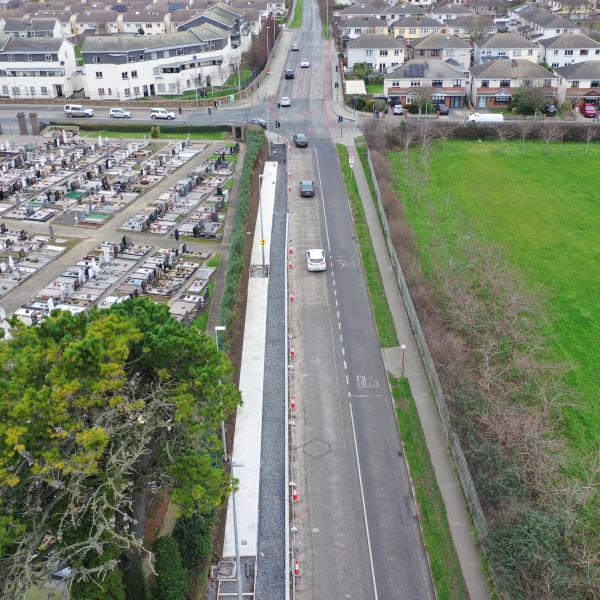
161	113
550	110
295	47
315	260
397	109
289	74
76	110
307	189
285	101
442	109
301	140
485	118
119	113
589	110
304	63
257	121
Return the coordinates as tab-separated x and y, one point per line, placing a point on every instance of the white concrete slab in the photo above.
267	205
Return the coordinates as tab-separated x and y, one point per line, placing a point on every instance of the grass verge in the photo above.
381	310
164	135
445	568
297	20
375	88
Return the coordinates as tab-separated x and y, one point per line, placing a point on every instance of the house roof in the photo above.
440	40
33	45
33	24
363	22
97	16
542	17
374	40
590	69
417	21
506	40
144	17
452	9
182	16
403	10
360	9
570	40
510	69
425	69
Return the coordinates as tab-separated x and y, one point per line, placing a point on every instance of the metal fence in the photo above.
438	395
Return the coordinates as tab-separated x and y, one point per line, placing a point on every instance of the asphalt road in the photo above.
358	533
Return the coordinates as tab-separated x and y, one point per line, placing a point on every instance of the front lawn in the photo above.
375	88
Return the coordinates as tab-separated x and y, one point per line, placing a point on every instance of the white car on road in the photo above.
285	101
315	260
295	47
161	113
76	110
119	113
304	64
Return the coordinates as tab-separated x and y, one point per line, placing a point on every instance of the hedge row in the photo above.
237	263
143	127
170	575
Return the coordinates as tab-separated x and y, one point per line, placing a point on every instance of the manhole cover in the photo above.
316	448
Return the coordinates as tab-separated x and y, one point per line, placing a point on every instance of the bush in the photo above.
529	101
143	128
358	102
109	587
194	539
155	132
170	580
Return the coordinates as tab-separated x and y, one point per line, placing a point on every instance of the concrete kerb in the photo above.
438	445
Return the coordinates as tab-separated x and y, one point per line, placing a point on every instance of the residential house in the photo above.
569	48
537	23
448	12
416	27
126	66
444	47
574	10
32	27
65	18
380	52
99	22
401	11
422	3
357	26
496	8
507	46
493	83
179	17
362	10
580	82
150	22
441	82
37	67
471	28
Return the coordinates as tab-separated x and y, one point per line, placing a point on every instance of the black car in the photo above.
301	140
550	110
307	189
257	121
442	109
289	74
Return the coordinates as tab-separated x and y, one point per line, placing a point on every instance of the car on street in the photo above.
301	140
442	109
304	64
589	110
162	113
289	74
285	101
119	113
550	110
307	189
76	110
315	260
257	121
397	109
295	47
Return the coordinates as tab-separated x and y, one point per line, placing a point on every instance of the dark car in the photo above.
289	74
307	189
550	110
300	140
257	121
442	109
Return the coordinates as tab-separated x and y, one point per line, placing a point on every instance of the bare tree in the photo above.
551	131
589	135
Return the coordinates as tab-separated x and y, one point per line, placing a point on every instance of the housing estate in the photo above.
380	52
580	82
569	48
507	46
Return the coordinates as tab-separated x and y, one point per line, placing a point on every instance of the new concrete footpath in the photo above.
458	517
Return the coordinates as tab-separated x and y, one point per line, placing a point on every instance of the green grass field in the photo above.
542	205
375	88
297	20
217	135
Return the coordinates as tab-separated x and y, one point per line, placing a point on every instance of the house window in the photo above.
357	31
503	99
161	88
485	83
136	91
11	58
517	52
148	25
425	29
598	52
155	71
44	91
95	59
131	58
555	65
98	74
29	58
166	54
48	57
568	52
547	82
179	51
127	92
100	91
396	52
527	83
153	55
5	90
134	74
583	52
395	84
109	91
421	52
574	84
16	91
383	53
457	83
456	31
530	52
450	52
171	87
437	83
31	91
595	83
124	75
412	30
556	53
369	52
141	57
415	84
435	53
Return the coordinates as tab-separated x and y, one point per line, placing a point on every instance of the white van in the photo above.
485	118
161	113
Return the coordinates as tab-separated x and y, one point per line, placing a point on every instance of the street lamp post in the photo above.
219	328
403	348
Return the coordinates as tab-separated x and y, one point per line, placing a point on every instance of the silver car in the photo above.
315	260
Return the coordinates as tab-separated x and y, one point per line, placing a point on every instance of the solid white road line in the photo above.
362	495
322	201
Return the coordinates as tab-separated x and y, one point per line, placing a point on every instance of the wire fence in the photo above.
457	453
